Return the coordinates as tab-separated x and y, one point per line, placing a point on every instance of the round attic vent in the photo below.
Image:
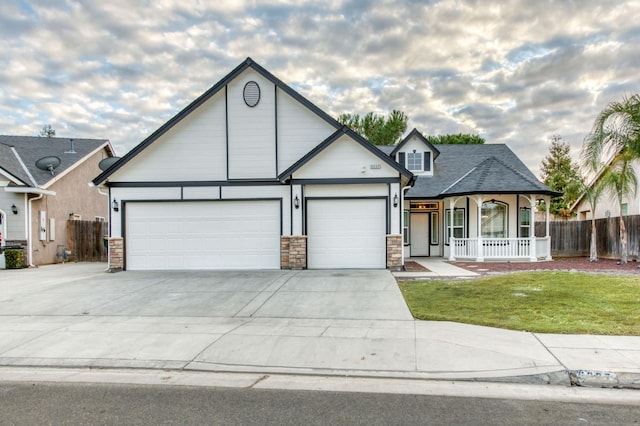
251	93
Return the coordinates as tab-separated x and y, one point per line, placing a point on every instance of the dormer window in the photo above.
414	161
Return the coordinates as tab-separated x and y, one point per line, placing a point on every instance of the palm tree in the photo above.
592	194
616	134
621	181
616	129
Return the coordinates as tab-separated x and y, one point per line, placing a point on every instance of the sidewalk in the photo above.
296	322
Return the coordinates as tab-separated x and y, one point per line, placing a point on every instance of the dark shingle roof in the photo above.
10	163
31	148
469	169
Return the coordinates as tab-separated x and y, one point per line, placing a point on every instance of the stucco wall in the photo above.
73	196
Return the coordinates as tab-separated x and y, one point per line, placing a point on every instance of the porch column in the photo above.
547	201
532	229
479	200
452	205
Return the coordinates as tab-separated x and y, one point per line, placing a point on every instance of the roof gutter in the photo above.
22	190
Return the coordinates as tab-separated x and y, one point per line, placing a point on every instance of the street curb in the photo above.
604	379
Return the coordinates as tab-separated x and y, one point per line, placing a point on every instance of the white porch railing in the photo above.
498	248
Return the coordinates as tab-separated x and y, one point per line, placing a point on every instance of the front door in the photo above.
419	234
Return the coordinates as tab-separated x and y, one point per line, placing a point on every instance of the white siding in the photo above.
201	192
299	131
15	223
345	158
194	149
252	130
395	212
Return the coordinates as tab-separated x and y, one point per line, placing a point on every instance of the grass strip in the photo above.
542	302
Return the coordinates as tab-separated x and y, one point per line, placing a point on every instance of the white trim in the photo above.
11	177
23	190
24	166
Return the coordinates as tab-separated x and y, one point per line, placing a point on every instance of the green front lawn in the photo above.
543	302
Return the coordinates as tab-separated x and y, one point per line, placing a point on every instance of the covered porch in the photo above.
493	232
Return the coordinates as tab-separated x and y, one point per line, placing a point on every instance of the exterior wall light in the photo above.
14	209
395	200
296	202
115	206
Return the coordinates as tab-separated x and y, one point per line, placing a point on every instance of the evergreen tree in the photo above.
459	139
561	174
379	130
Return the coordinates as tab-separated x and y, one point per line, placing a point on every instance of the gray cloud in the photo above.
516	72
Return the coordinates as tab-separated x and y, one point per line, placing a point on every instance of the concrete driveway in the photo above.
84	289
322	322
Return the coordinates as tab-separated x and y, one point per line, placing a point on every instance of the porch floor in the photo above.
438	268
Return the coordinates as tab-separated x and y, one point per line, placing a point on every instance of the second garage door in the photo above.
203	235
346	233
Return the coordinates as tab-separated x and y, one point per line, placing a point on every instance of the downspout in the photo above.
30	227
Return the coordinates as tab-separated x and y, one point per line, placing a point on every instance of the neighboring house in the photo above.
35	204
607	205
251	175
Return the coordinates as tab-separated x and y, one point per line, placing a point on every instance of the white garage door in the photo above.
346	233
203	235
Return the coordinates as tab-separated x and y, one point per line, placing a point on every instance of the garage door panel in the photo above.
203	235
346	233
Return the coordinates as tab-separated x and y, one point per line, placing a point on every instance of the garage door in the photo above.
346	233
203	235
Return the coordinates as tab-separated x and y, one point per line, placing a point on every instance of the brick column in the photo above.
293	252
394	251
116	254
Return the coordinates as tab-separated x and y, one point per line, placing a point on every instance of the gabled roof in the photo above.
22	152
248	63
482	168
344	130
417	134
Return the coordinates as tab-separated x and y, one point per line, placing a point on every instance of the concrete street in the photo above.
344	323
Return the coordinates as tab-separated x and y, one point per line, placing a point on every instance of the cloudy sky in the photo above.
515	72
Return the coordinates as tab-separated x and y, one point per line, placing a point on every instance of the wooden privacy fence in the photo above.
572	238
85	240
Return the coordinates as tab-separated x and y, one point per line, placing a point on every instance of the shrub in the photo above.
14	258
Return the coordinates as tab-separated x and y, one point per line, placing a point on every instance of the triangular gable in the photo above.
494	176
248	63
345	131
415	133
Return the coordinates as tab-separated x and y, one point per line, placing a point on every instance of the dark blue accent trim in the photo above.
344	181
344	130
275	121
247	63
424	140
178	184
226	126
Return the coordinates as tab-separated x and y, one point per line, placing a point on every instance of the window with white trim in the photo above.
524	219
414	161
435	226
494	219
405	228
458	224
625	209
